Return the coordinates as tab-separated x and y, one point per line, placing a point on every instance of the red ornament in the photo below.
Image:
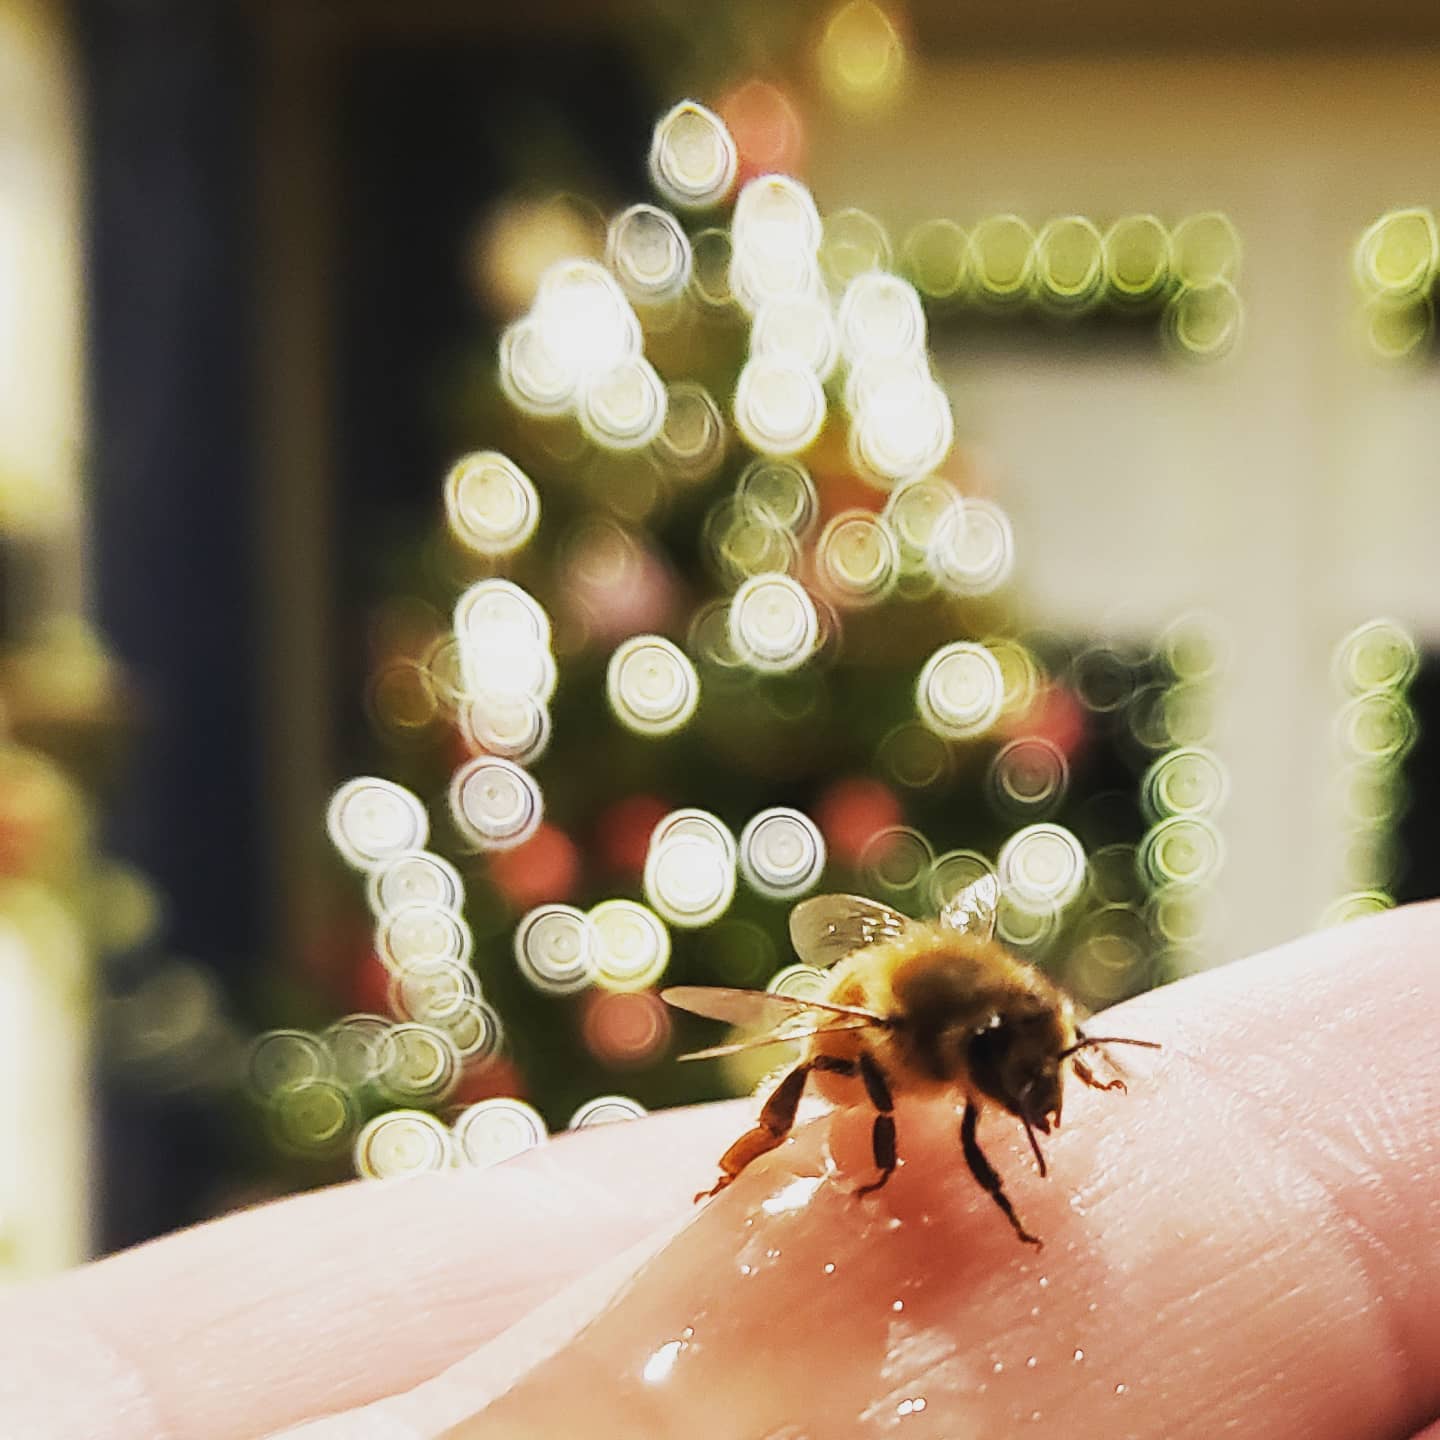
1054	714
768	131
852	812
624	832
546	867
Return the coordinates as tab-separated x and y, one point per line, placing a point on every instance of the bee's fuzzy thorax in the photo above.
934	985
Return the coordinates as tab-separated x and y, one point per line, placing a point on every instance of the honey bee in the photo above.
927	1007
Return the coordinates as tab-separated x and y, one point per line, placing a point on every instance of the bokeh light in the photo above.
583	318
1137	258
1041	867
492	1131
712	255
652	685
781	493
419	1064
606	1110
494	803
1398	329
897	862
1002	259
972	548
692	440
1376	727
768	129
649	254
431	989
902	423
693	160
1186	781
914	510
1110	957
1069	263
627	1030
631	944
914	756
861	56
852	243
354	1045
779	405
773	623
371	821
799	328
880	318
281	1059
414	877
421	932
689	879
516	727
775	233
1397	256
1204	320
535	379
623	408
314	1118
742	540
1029	777
936	256
402	1142
960	691
952	872
856	559
800	982
491	504
782	853
555	949
1181	850
1205	250
503	638
1378	655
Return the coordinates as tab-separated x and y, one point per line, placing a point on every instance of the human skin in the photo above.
1247	1242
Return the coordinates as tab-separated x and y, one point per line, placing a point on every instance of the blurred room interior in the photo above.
254	261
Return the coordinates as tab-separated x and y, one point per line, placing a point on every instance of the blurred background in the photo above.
475	546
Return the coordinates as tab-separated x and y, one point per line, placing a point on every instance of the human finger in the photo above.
333	1299
1246	1240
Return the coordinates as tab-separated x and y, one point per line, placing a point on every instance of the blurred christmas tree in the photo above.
719	618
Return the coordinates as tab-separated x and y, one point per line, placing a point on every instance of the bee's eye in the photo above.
987	1056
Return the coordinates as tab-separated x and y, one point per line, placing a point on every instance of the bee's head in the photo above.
1016	1061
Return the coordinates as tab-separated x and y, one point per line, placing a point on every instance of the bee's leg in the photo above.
1087	1076
777	1117
882	1136
985	1173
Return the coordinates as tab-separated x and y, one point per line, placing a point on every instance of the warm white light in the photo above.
960	690
773	623
693	160
652	685
649	254
495	803
779	405
371	821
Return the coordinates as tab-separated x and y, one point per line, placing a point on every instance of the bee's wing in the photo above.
755	1007
789	1017
830	927
972	910
785	1035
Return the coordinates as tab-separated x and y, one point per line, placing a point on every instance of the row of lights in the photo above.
1374	729
1395	263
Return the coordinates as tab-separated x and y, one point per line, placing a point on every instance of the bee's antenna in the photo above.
1087	1042
1035	1146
